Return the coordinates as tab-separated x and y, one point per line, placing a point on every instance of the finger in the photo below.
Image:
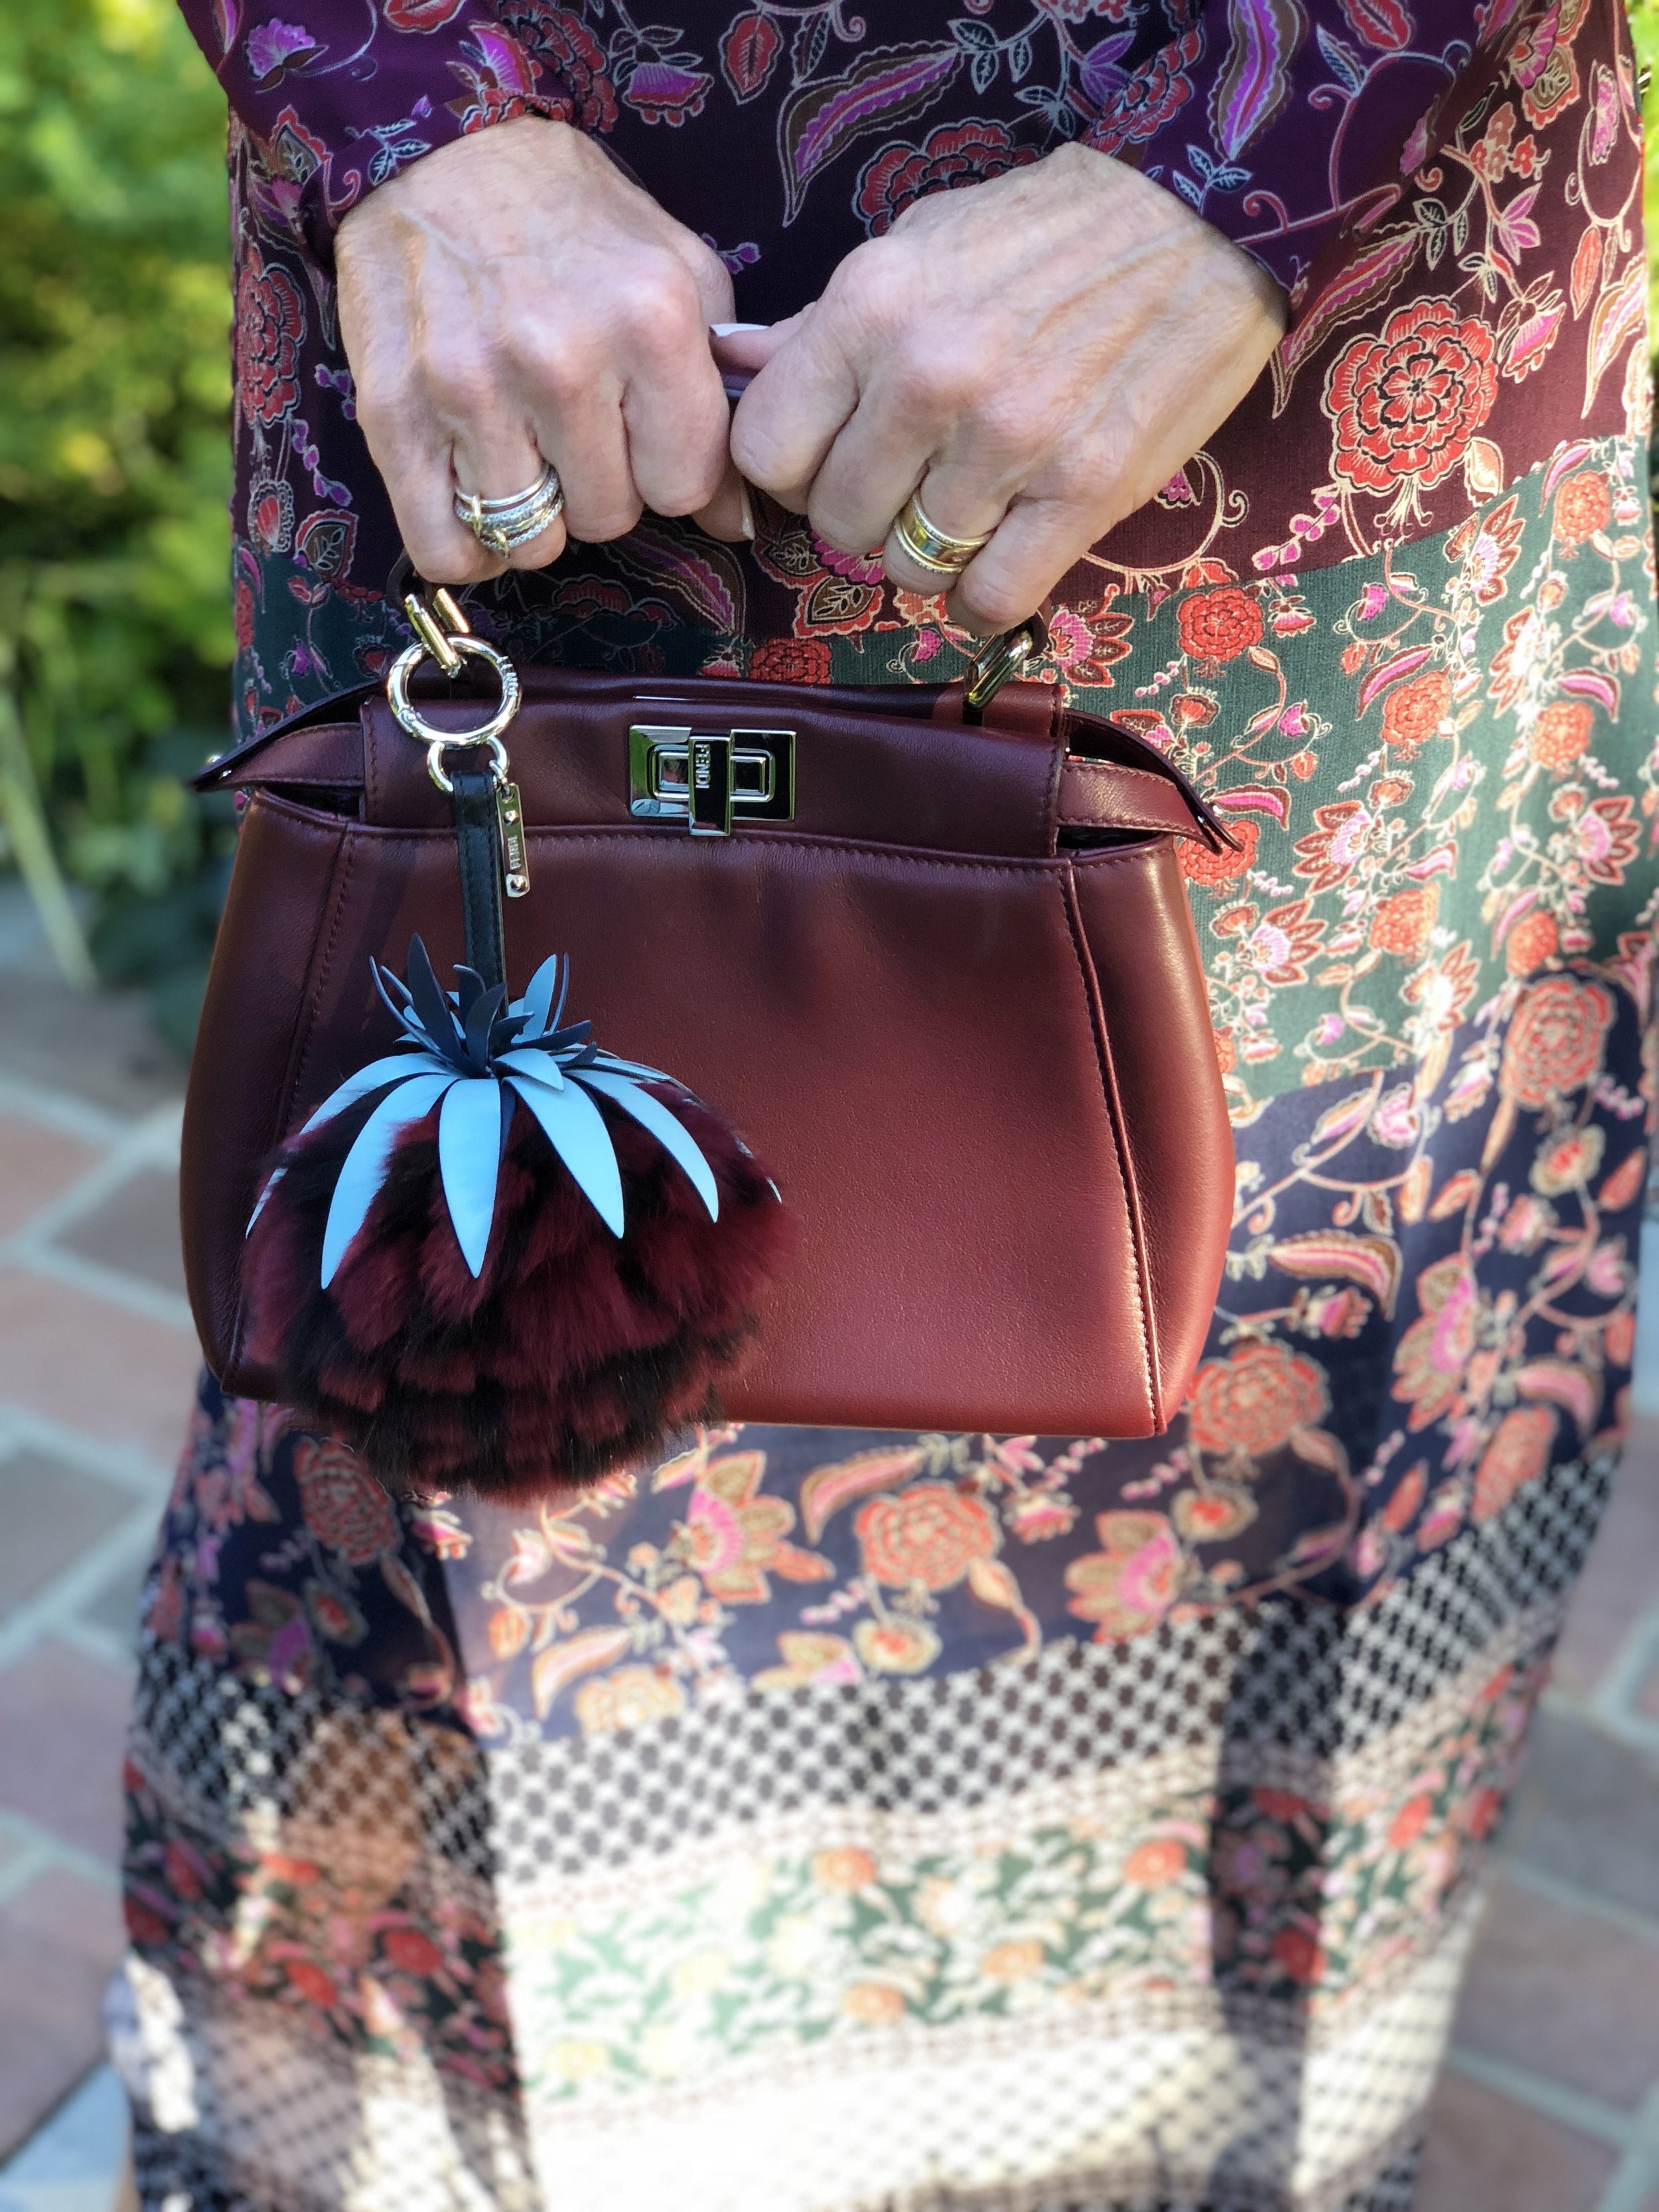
1030	549
750	346
792	413
582	431
678	420
728	516
711	276
442	549
864	478
498	455
959	502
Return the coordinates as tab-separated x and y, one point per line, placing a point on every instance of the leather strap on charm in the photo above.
479	848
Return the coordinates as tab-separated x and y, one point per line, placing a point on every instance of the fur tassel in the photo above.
561	1349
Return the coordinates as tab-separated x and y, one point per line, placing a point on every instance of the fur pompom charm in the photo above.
499	1257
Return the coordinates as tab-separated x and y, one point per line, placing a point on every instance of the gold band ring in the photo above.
504	525
930	547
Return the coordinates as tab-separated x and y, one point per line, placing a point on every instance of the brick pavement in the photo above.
1551	2100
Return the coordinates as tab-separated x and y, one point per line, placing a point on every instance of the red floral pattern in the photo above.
954	154
1406	404
344	1505
1555	1042
928	1536
270	327
1252	1401
1220	625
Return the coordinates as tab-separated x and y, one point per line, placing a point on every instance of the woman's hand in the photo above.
1036	355
513	298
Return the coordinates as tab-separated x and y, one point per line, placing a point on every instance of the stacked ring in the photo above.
504	525
930	547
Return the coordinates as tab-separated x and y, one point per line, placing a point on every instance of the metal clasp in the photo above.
999	660
676	774
442	631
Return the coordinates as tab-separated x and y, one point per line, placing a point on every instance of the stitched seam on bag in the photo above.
1051	797
606	834
373	792
1120	1139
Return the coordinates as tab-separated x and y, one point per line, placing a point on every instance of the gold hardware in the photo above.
929	546
999	660
449	608
426	628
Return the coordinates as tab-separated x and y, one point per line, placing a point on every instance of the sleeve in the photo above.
1287	123
343	94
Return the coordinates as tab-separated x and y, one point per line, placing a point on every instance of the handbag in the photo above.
928	947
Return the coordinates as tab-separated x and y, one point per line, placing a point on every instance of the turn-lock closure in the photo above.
703	778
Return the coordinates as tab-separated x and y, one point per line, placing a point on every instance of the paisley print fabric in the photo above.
832	1821
786	133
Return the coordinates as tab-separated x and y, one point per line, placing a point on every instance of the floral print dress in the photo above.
869	1823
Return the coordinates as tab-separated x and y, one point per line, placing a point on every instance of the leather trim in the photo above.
478	847
1114	1106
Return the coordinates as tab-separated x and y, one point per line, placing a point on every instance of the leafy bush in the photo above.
114	471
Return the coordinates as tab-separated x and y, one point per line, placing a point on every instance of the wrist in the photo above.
1157	223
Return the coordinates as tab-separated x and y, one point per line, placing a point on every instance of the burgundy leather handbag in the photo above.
940	970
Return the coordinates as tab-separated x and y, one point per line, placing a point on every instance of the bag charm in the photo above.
498	1256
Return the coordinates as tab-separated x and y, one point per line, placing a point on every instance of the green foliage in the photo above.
114	468
1644	36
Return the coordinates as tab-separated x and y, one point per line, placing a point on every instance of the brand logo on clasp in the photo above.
705	780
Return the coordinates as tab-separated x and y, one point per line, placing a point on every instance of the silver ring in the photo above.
503	524
440	741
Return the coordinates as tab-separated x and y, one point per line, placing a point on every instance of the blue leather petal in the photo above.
537	1000
672	1135
365	1167
394	1068
469	1157
575	1129
539	1066
612	1066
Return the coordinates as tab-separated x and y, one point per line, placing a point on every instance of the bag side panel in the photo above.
1156	1018
287	883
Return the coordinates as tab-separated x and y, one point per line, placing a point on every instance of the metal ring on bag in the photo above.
440	741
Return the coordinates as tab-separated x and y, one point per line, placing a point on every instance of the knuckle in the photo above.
563	365
935	379
838	528
686	493
1007	432
869	285
604	519
462	384
659	307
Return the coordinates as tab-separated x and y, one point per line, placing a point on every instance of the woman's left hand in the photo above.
1035	356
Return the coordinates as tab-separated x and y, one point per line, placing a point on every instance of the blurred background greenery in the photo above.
115	640
115	637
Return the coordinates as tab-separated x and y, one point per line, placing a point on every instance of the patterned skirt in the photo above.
826	1822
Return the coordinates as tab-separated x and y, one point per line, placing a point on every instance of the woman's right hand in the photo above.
513	298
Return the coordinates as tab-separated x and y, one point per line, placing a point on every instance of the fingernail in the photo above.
729	329
746	514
